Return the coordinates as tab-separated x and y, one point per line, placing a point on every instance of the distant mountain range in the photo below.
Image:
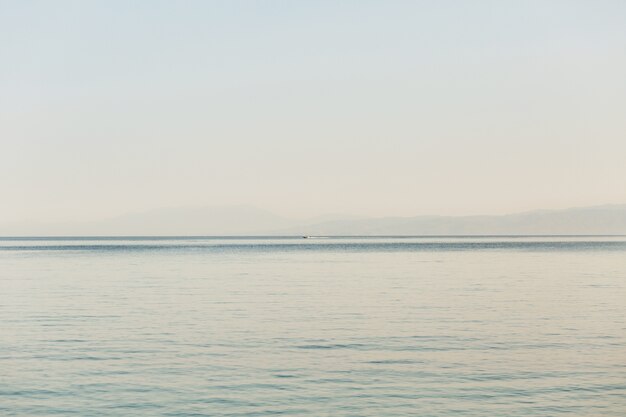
246	220
584	221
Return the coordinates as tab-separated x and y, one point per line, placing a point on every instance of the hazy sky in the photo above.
309	107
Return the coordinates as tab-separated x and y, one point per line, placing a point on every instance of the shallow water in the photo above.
498	326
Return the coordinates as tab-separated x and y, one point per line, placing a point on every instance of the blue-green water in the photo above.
499	326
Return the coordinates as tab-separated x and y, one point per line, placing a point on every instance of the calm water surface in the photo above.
498	326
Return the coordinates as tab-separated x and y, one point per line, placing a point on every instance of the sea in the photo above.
323	326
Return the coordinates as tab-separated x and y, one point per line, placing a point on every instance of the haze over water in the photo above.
497	326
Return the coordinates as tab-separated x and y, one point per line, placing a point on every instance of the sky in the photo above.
374	108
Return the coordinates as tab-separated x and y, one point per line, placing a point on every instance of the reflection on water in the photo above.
497	326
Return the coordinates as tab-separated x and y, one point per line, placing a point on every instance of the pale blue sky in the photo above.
310	107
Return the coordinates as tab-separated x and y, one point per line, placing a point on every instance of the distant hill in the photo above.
609	219
246	220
